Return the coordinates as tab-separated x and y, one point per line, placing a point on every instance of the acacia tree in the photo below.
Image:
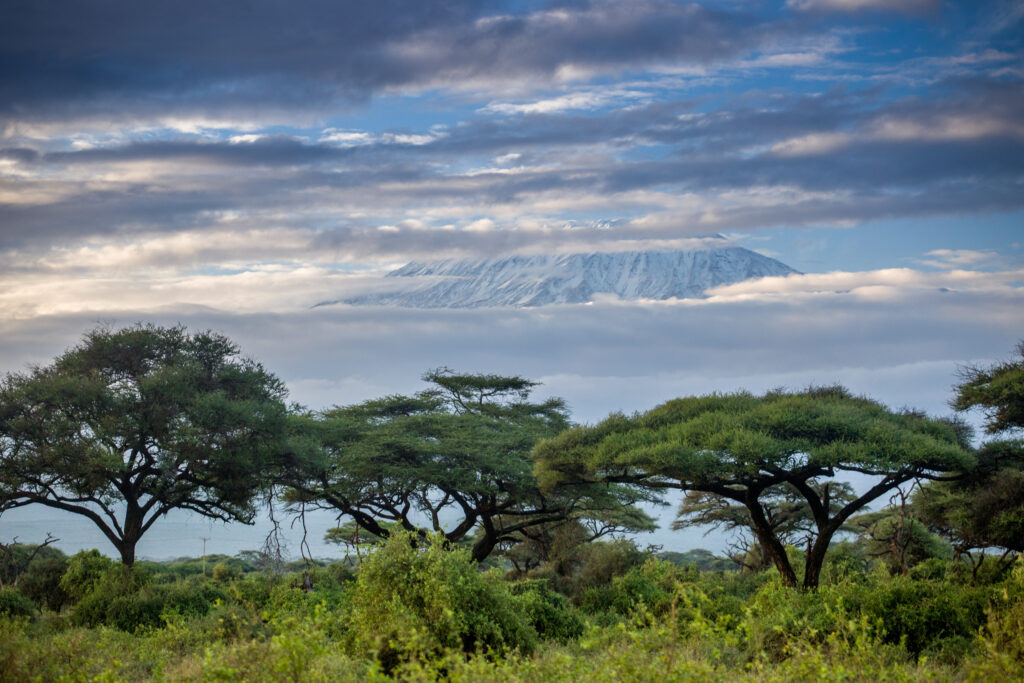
998	391
785	509
740	446
134	423
984	507
981	510
453	459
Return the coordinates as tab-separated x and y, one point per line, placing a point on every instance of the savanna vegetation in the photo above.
486	537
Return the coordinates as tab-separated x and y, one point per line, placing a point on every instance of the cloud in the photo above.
886	284
959	258
639	354
584	99
661	169
904	6
132	61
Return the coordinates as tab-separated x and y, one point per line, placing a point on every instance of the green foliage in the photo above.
847	562
601	562
224	572
1004	627
983	508
459	450
414	600
85	571
14	604
126	597
738	446
649	585
899	540
550	614
136	422
704	560
15	559
41	581
416	612
922	616
997	390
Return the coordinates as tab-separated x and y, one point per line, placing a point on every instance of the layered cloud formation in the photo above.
230	165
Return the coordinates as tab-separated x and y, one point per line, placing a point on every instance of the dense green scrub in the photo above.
422	613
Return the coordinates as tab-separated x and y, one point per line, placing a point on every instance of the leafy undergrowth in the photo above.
427	613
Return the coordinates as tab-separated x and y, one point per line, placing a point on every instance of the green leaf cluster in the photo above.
133	423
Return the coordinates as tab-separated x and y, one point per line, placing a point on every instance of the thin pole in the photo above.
205	539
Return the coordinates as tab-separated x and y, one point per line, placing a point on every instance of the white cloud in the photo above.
958	127
890	284
347	138
907	6
812	144
482	225
946	128
619	356
580	100
955	258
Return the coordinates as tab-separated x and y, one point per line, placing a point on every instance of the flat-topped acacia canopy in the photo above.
739	445
452	459
133	423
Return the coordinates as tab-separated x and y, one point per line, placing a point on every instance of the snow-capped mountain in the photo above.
571	278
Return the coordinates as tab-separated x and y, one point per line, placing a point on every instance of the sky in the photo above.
230	165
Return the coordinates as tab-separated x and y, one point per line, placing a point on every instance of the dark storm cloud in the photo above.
60	52
116	59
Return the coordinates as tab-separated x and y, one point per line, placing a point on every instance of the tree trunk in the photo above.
127	549
766	537
483	547
814	561
132	532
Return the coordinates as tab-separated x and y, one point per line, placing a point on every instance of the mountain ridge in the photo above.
539	280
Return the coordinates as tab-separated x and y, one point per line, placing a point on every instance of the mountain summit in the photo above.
571	278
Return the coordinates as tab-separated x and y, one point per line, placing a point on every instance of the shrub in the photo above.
14	604
549	613
415	600
41	582
224	572
923	614
650	585
602	561
85	569
126	598
1004	628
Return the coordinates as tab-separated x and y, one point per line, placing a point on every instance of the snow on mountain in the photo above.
571	278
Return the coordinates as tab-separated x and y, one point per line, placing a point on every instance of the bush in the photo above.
41	582
224	572
413	600
651	585
126	598
14	604
923	614
84	571
602	561
549	613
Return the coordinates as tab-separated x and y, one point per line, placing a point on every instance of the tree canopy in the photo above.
454	458
998	390
133	423
984	507
739	446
